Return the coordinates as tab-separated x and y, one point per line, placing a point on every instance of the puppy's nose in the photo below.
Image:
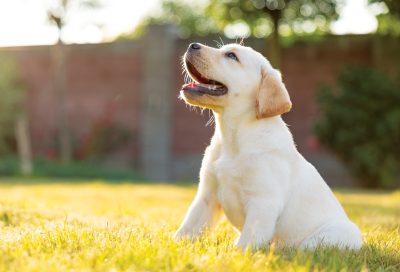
194	46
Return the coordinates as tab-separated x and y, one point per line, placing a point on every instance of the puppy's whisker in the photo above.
210	121
219	45
222	42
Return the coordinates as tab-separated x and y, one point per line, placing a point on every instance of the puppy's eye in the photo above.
232	55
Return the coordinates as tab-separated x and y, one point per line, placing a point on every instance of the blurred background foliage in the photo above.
279	21
257	18
12	92
389	21
360	122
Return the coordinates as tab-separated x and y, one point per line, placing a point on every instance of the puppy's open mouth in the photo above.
203	85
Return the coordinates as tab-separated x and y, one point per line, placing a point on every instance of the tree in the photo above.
262	18
57	14
294	15
389	21
392	5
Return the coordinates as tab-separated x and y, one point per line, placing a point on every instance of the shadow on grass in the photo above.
45	171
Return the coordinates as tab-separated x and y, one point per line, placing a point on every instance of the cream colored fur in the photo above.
252	170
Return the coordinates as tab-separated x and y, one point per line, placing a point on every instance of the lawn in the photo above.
97	226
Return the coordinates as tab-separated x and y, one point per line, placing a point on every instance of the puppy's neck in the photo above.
227	128
231	129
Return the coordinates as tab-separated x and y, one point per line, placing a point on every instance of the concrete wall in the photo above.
134	85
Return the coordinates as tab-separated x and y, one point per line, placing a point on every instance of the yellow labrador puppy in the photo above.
252	169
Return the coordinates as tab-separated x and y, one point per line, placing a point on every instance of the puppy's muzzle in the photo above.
202	84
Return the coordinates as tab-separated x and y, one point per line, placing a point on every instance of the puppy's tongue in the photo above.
194	86
201	88
189	85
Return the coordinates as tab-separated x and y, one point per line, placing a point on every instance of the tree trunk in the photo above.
24	145
274	52
64	141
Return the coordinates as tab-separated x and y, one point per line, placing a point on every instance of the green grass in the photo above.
128	227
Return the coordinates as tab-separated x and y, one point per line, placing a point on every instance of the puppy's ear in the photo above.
272	96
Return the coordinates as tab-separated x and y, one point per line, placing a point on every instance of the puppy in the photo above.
252	169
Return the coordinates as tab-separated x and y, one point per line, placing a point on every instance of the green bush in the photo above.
360	122
12	94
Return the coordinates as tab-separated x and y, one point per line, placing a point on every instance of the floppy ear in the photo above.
272	96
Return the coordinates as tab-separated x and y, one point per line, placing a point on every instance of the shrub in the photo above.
360	122
11	93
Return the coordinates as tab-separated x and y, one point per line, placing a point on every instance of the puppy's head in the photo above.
234	77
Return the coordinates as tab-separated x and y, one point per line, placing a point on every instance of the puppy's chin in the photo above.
202	101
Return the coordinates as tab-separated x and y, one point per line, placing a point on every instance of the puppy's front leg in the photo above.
205	209
259	226
202	214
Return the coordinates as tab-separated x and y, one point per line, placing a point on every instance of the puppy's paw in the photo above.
179	235
241	244
250	245
183	234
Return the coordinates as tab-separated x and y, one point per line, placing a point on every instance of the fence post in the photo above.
157	102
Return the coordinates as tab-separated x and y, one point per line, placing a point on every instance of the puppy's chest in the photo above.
230	193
